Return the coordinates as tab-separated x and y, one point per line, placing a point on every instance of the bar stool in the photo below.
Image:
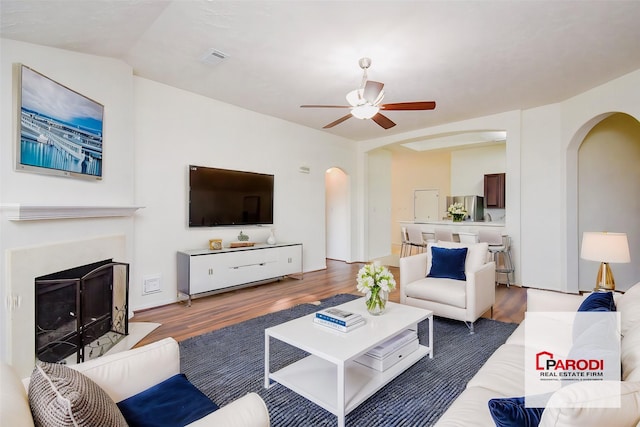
444	235
405	242
415	239
499	248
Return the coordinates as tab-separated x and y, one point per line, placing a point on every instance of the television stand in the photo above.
203	272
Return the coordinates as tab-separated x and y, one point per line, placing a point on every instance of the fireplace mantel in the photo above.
17	212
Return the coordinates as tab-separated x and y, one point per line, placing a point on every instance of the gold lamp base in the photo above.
605	281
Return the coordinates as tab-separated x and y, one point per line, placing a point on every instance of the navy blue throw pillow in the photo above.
598	301
511	412
173	402
448	263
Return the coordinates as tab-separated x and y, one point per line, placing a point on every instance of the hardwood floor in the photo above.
217	311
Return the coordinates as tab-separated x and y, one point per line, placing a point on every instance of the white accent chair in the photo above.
450	298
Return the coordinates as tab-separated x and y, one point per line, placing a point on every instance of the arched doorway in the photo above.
337	215
608	192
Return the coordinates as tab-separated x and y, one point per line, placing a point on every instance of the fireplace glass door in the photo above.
76	309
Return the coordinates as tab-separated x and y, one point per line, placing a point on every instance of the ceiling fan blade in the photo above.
371	91
383	121
325	106
419	105
337	122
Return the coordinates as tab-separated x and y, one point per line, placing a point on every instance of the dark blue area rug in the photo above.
228	363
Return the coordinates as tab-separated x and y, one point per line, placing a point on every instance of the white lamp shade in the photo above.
605	247
364	111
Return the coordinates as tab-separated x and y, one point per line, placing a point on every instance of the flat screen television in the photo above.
229	197
59	130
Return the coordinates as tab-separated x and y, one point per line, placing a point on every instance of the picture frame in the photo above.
215	244
59	131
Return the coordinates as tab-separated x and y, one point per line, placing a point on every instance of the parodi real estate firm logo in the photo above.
552	367
565	348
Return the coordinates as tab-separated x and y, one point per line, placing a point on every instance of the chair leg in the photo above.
511	269
470	326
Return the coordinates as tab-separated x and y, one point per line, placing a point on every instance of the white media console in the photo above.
204	272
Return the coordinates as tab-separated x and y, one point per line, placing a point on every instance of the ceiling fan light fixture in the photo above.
354	98
365	111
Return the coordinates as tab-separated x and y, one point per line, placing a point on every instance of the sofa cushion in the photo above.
503	372
173	402
476	254
630	355
59	395
448	263
14	403
585	404
598	301
469	409
511	412
628	305
444	291
589	312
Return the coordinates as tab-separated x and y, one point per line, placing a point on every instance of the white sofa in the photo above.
503	374
125	374
453	299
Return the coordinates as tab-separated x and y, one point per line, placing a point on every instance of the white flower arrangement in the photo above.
457	209
375	280
373	276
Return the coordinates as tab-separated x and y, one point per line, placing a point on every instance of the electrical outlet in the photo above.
151	285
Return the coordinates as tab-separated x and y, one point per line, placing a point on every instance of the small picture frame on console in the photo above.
215	244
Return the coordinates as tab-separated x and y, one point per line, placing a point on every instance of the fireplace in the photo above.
76	307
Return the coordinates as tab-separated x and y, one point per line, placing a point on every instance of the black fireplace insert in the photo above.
75	307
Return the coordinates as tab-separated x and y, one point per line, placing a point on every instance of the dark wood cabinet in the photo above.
494	190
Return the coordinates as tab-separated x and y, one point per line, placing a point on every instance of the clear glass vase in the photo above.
377	301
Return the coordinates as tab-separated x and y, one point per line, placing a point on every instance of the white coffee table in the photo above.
329	376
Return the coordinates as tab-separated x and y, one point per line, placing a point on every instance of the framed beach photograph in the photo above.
60	131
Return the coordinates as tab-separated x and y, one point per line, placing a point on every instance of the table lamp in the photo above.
606	248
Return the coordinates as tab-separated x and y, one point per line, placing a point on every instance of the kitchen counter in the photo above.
465	229
458	224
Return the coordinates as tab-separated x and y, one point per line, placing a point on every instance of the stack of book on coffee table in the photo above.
339	320
391	351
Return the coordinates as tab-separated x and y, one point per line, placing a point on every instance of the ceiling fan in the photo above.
365	102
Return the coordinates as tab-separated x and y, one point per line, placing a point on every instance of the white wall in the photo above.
175	128
379	204
105	80
468	167
152	132
542	201
338	214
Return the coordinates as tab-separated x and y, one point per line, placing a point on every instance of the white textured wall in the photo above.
175	128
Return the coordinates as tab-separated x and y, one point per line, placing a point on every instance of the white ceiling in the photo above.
473	58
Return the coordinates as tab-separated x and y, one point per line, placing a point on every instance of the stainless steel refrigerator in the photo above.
473	204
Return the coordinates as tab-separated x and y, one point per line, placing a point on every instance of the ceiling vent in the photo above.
213	57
